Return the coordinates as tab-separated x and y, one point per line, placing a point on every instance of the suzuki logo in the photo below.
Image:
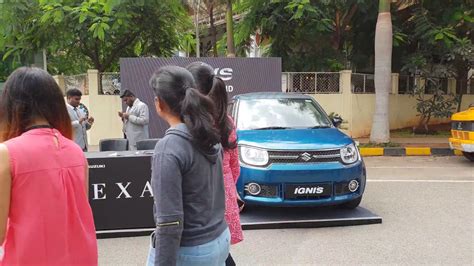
224	73
305	156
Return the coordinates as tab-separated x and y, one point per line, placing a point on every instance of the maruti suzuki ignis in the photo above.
293	154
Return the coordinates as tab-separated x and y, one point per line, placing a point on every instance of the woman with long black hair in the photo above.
214	87
187	176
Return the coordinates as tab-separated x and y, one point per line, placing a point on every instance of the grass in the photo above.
408	133
382	145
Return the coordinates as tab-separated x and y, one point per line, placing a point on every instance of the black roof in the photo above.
271	95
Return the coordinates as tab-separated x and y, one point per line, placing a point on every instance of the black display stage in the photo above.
122	201
277	218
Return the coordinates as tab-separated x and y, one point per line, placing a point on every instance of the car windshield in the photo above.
261	114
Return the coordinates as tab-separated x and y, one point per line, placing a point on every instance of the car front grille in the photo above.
463	135
462	125
318	156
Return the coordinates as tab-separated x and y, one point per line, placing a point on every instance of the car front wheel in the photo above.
352	204
469	155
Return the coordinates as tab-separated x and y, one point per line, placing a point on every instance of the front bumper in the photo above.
279	176
462	145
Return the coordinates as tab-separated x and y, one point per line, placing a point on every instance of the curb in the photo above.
409	151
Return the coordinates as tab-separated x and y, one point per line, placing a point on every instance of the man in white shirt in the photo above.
135	119
80	121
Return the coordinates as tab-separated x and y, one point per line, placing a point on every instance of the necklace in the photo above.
37	126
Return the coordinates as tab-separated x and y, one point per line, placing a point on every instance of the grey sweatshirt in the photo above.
188	188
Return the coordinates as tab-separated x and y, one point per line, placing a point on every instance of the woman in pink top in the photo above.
214	87
45	216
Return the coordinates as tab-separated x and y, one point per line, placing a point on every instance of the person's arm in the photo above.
142	118
87	180
88	125
167	191
234	158
5	190
75	123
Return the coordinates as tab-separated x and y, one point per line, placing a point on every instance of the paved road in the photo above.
427	205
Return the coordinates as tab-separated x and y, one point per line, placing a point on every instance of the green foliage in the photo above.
310	35
432	104
437	38
94	33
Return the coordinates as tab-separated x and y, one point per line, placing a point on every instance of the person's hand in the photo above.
125	115
120	114
82	119
90	120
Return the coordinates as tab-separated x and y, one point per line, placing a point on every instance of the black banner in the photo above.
241	75
120	191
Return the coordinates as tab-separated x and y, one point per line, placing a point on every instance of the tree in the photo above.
210	6
440	41
95	32
230	29
310	35
380	132
437	104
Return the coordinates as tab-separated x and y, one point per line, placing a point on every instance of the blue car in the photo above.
292	154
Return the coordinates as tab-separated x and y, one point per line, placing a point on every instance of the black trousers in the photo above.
229	261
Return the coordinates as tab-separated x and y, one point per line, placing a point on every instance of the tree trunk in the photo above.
230	30
380	132
336	37
213	31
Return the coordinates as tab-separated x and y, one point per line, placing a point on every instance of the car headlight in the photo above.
253	156
349	154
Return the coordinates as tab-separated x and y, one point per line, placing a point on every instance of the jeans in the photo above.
213	253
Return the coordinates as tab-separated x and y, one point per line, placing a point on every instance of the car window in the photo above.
280	113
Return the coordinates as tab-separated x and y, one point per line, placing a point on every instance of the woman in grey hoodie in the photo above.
187	176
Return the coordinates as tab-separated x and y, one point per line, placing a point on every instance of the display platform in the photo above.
122	201
307	217
254	218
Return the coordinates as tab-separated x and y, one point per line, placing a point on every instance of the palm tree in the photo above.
230	29
380	132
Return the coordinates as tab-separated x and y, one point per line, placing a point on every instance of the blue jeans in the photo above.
213	253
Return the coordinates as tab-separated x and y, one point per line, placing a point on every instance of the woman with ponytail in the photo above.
187	177
208	84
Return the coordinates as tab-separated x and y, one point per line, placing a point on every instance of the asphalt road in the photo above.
427	205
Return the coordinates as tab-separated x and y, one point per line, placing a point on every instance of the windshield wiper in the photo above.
269	128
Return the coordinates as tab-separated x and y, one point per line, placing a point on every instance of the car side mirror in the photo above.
336	121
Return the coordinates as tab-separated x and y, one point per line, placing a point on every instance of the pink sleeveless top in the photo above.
50	220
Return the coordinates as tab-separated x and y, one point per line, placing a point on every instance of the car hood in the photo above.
294	139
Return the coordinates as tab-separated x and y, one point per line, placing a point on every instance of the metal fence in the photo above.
312	82
406	84
109	83
432	84
465	86
79	82
362	83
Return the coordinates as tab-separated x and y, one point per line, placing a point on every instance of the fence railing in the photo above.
406	84
465	86
362	83
109	83
312	82
79	82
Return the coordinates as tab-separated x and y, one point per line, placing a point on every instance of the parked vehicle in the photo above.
293	154
462	131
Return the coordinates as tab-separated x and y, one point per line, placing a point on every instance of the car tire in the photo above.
469	155
352	204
